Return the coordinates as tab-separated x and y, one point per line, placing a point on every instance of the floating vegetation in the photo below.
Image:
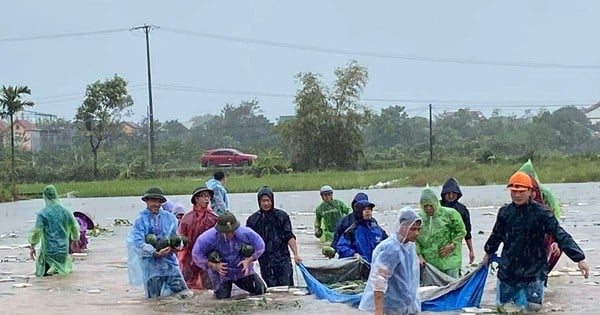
348	287
98	231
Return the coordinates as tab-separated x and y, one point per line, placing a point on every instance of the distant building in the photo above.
130	128
593	113
26	135
475	114
283	119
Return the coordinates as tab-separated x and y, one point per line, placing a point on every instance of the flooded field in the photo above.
99	283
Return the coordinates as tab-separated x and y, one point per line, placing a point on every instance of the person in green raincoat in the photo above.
442	231
328	214
547	195
55	228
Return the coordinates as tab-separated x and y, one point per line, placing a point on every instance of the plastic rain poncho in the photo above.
55	227
142	265
395	271
328	215
444	227
547	195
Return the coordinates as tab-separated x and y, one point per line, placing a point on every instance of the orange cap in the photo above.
519	181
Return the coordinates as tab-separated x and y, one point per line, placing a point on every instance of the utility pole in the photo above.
147	29
430	138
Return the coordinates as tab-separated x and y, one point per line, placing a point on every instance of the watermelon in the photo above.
328	251
151	239
214	257
247	250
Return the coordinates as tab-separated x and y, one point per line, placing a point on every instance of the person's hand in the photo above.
163	252
220	268
446	250
356	256
486	259
246	264
471	257
32	252
585	270
297	259
554	249
422	261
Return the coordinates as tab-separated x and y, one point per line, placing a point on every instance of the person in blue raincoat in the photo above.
363	235
158	270
219	202
55	228
393	284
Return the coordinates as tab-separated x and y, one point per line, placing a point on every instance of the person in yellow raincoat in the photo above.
55	228
442	231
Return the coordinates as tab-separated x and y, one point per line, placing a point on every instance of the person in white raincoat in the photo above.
393	284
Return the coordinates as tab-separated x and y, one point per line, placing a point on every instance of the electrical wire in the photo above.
379	54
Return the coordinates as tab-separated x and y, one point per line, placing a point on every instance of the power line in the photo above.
324	49
63	35
379	54
437	102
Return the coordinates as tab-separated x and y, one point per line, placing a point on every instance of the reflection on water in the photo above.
99	282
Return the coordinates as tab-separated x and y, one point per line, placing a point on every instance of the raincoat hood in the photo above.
50	195
406	218
528	169
428	197
451	185
359	196
266	190
358	208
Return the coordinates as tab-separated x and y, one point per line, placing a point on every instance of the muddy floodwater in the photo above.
99	282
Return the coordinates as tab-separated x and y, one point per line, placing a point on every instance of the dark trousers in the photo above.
253	284
277	274
174	283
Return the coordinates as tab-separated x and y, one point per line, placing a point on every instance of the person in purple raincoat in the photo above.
85	223
231	267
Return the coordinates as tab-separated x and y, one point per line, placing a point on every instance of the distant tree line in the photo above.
331	129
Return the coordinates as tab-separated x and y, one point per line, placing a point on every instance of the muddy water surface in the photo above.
99	283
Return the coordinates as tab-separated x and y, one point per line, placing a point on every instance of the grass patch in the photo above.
558	169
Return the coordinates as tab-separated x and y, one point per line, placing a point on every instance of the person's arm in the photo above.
318	216
565	241
496	237
458	228
384	263
344	248
289	236
466	217
345	209
73	228
205	243
218	199
139	239
378	296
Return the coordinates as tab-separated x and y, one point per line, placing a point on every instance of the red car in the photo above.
229	157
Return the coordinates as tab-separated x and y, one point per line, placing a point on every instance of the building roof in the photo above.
591	108
27	125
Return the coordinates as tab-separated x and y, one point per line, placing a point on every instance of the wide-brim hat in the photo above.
227	222
86	217
198	190
154	193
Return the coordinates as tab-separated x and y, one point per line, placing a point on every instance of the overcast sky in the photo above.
417	52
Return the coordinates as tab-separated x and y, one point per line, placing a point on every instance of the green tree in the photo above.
327	128
99	115
10	99
243	127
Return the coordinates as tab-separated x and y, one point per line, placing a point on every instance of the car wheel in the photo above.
244	163
210	164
